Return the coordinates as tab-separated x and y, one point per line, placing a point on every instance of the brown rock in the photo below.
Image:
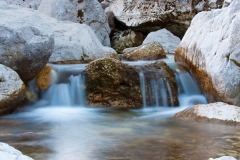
44	79
150	51
111	83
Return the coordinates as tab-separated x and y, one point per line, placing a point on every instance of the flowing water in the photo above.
61	127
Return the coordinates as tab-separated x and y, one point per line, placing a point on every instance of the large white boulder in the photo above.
75	43
153	15
9	153
168	41
12	90
213	112
223	158
34	4
89	12
211	47
26	41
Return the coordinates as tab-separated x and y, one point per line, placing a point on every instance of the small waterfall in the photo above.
69	86
155	90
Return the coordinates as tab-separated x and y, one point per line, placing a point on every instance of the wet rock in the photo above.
126	39
111	83
149	16
168	41
27	41
213	53
33	4
213	112
168	77
82	11
9	153
149	51
44	78
76	43
12	90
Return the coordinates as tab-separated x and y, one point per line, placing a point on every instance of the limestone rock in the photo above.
211	47
168	41
213	112
12	90
110	82
126	39
82	11
154	15
150	51
9	153
34	4
223	158
26	41
75	43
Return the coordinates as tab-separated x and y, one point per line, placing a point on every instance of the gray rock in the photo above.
26	41
82	11
126	39
9	153
211	47
168	41
12	90
34	4
149	16
75	43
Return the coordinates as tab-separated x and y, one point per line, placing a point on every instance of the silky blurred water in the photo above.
62	128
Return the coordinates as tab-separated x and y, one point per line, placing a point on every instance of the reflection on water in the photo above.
87	134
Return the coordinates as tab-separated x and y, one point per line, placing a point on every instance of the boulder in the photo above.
89	12
168	41
150	51
164	78
213	112
34	4
9	153
126	39
76	43
26	41
111	83
12	90
211	48
44	78
223	158
149	16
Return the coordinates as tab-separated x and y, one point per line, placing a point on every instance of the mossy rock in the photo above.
111	83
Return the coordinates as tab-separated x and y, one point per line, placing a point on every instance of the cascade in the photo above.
68	88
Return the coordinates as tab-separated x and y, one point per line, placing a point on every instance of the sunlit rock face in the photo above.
110	82
153	15
33	4
211	48
149	51
9	153
126	39
168	41
82	11
213	112
26	41
75	43
12	90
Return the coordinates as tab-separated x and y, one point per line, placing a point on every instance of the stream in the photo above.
61	127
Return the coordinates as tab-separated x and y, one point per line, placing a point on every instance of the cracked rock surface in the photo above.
211	47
